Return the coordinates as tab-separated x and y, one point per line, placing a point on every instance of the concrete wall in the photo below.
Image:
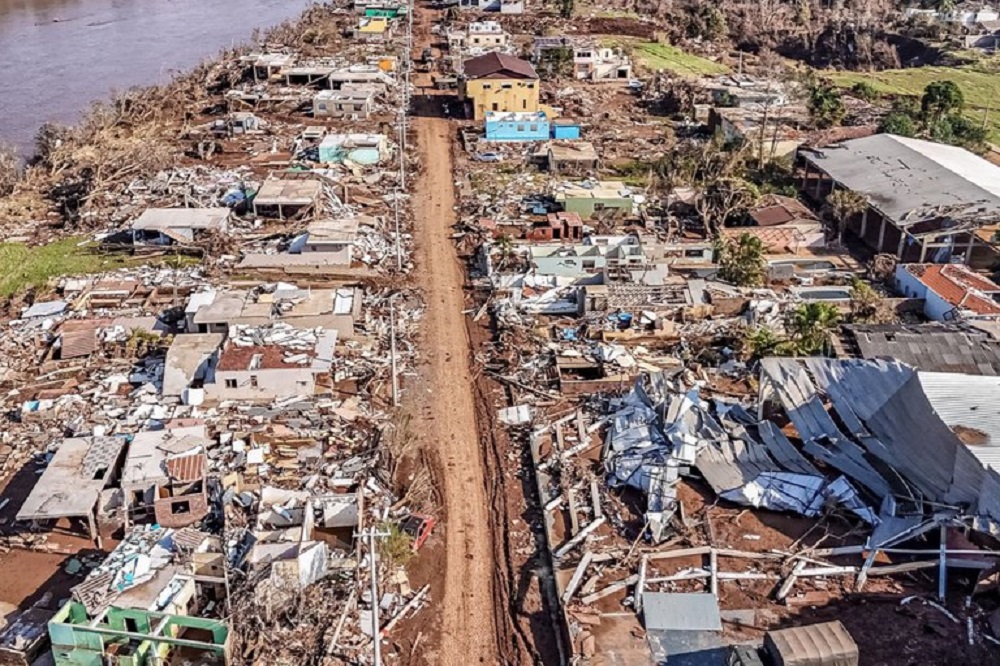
517	130
907	284
585	207
271	384
500	95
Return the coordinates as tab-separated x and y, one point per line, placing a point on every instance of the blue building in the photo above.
566	129
517	126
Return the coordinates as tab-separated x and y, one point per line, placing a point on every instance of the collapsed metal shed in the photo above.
826	644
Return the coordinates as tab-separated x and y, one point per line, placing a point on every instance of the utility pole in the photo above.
399	248
392	335
371	535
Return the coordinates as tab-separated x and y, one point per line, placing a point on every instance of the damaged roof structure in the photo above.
72	482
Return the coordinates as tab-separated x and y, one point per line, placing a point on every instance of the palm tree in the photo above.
843	205
811	325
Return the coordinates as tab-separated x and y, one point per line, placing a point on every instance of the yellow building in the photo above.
498	82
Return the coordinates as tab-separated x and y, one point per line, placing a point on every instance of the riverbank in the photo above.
61	56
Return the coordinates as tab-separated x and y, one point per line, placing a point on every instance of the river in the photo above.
60	55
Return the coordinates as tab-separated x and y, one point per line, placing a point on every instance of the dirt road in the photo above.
449	423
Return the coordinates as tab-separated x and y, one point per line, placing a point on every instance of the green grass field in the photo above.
980	84
656	56
22	266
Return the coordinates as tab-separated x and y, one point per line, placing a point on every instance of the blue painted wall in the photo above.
535	129
568	132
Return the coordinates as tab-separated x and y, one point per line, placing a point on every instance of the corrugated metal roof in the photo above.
909	179
670	611
971	402
929	347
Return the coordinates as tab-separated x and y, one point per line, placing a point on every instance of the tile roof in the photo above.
959	286
776	210
269	357
928	347
776	239
495	63
186	468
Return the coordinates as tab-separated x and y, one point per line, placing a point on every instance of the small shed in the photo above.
826	644
286	197
566	129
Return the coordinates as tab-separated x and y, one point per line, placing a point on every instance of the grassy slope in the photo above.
980	86
656	56
22	266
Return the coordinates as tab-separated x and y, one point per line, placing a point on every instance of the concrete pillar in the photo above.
819	186
901	245
968	249
923	249
805	175
881	235
864	223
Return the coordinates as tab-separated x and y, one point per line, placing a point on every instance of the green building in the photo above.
589	198
133	637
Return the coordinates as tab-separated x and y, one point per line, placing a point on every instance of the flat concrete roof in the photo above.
288	192
147	454
182	218
72	483
910	180
186	354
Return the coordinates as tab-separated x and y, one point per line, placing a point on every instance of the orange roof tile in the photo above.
959	286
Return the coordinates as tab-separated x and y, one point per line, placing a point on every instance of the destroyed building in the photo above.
925	200
178	225
158	594
73	481
265	364
332	309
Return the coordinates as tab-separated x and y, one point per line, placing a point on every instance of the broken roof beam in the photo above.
578	538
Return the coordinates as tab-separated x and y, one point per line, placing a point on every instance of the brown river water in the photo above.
57	56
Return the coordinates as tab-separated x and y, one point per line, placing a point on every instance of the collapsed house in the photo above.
215	311
274	362
164	476
164	226
72	484
159	594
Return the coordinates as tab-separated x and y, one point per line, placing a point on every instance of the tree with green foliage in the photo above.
826	108
760	342
721	198
811	325
864	301
556	63
706	21
941	98
842	205
865	91
958	130
741	261
898	123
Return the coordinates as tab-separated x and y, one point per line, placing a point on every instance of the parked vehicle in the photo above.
419	527
488	157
